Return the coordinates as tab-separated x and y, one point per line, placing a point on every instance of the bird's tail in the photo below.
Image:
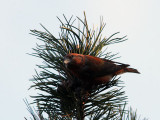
131	70
124	70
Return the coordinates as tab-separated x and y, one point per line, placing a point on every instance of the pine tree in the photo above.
61	95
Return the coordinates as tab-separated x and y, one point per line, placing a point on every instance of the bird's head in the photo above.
73	60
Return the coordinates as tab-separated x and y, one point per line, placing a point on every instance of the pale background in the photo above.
138	19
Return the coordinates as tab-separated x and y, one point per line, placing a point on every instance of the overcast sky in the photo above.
138	19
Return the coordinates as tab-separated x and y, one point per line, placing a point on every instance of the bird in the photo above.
94	70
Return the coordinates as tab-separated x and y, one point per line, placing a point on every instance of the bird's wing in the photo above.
97	67
110	68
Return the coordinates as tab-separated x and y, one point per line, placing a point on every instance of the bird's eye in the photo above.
70	57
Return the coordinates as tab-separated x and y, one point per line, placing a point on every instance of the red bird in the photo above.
94	69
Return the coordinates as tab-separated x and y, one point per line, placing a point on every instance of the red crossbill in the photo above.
94	69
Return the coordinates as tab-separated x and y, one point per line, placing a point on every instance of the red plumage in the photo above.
94	69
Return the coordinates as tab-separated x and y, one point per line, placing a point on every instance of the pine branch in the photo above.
63	96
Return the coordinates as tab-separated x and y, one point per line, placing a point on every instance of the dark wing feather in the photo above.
110	68
97	67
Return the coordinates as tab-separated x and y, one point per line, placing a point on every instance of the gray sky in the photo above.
138	19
